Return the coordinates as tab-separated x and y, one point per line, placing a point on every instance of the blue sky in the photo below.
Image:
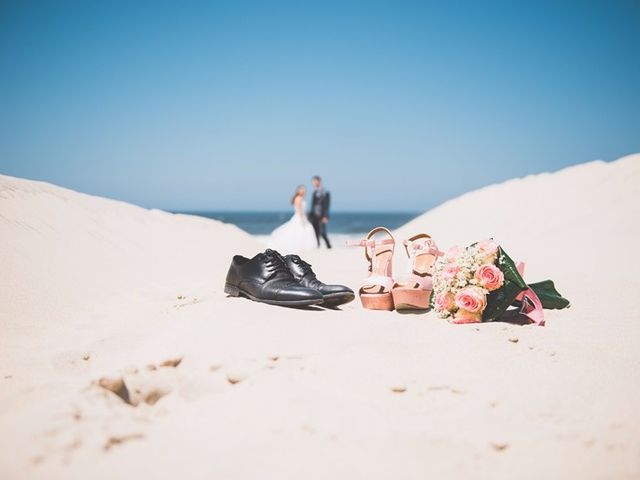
229	105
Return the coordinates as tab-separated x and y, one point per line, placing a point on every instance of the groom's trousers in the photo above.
320	229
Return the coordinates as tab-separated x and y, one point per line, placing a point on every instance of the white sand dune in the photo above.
94	290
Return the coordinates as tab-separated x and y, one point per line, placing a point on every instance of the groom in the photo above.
319	213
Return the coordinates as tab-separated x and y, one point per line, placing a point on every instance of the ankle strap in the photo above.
421	244
371	243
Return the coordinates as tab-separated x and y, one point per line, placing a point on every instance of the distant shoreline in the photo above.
341	223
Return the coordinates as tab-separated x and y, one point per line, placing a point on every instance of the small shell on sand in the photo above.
399	389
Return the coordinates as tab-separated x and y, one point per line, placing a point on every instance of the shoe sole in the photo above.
405	307
411	298
234	291
336	299
377	301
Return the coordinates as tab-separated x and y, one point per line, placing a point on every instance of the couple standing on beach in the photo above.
305	229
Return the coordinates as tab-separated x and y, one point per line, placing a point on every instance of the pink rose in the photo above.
471	299
450	271
444	302
463	316
490	277
489	246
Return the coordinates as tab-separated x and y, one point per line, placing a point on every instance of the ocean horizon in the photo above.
341	224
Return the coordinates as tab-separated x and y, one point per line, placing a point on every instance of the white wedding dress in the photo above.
294	236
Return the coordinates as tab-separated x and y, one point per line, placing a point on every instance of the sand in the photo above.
97	295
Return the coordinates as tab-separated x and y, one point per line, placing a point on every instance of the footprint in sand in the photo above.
111	411
149	386
114	410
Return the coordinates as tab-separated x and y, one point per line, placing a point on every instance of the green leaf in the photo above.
499	300
549	296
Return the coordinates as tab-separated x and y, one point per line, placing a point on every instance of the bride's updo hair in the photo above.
298	193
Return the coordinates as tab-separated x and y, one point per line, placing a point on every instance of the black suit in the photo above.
319	210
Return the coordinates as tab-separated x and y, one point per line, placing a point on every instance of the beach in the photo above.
121	356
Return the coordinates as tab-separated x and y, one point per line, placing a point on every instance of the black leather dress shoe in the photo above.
334	295
266	278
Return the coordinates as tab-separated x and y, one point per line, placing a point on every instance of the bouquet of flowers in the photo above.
479	284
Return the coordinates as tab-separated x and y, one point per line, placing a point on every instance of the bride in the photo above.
297	234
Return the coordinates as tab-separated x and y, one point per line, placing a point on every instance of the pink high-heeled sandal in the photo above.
375	291
412	291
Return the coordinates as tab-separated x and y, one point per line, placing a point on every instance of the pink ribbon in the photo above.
531	304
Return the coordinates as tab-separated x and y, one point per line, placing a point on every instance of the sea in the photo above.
342	225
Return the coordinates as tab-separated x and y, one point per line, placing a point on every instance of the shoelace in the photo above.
306	267
276	263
